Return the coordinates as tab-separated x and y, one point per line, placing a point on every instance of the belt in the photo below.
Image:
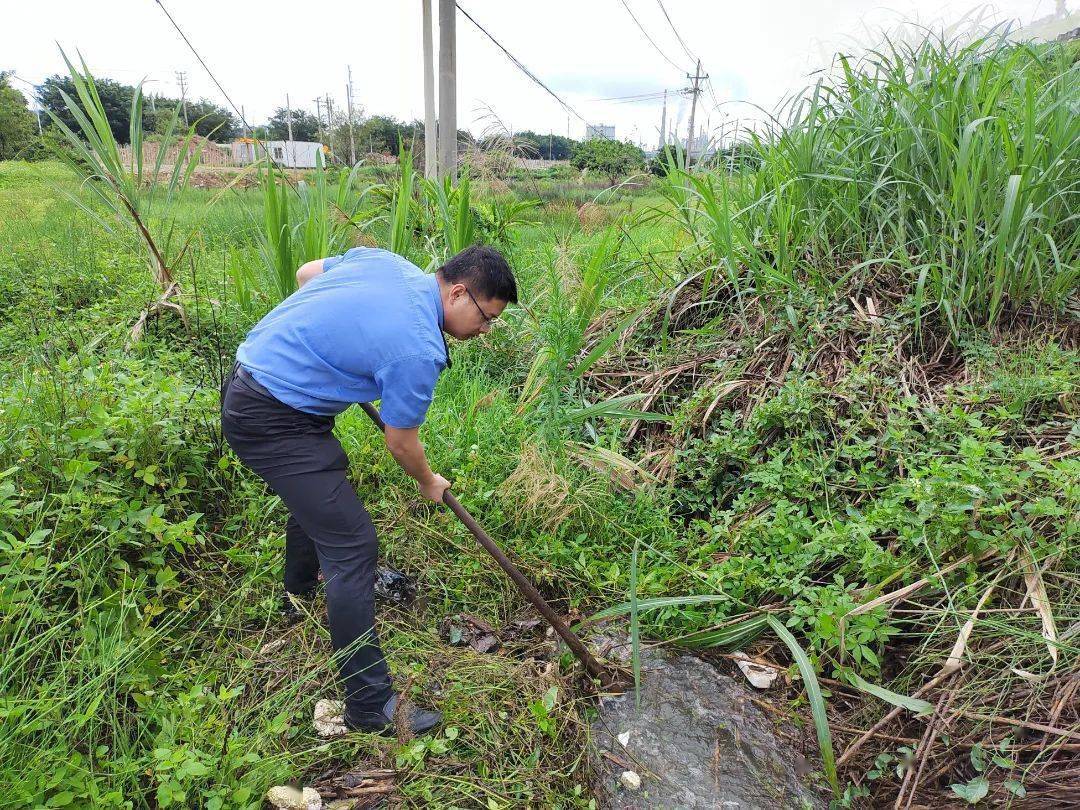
245	375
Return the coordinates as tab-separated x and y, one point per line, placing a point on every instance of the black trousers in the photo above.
297	454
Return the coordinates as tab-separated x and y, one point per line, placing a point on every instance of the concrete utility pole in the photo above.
551	133
288	113
447	90
663	126
318	115
348	98
431	161
696	90
181	79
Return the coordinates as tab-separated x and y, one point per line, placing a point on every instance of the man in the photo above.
363	326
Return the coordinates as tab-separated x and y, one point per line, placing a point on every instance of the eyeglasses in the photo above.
488	319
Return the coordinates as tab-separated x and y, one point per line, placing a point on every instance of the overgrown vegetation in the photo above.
820	404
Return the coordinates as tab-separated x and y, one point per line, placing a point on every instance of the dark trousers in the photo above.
297	454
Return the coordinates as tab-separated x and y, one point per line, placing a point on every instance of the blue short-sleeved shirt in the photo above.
369	327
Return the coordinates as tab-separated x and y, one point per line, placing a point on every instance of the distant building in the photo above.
289	154
600	131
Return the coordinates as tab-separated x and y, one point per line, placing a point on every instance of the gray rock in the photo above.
697	741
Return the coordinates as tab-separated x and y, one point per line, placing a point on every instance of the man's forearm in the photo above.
405	447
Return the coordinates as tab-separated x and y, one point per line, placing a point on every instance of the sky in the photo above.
755	53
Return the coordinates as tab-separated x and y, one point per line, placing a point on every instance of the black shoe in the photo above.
291	610
420	720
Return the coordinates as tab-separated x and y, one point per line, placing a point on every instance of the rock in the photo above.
330	718
760	677
286	797
630	780
698	739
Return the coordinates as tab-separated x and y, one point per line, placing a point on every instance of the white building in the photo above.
600	131
289	154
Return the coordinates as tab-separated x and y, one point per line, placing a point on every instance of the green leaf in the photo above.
1015	788
61	799
920	707
978	758
974	791
817	702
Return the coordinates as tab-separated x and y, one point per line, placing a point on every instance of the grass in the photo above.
811	452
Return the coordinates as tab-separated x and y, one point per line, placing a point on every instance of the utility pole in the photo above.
663	126
348	100
318	115
447	90
551	132
696	90
431	168
181	79
288	113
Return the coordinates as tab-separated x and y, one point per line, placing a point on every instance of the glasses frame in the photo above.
488	319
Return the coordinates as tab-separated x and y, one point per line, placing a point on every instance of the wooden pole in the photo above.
447	90
431	160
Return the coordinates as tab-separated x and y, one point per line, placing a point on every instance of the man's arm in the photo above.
404	445
308	271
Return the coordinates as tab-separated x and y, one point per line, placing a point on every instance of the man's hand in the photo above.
434	489
404	445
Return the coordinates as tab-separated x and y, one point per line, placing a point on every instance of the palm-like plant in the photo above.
135	196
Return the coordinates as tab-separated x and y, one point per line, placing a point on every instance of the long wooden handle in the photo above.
527	588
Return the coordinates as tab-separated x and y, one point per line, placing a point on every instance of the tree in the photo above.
305	126
210	120
613	159
546	147
382	133
115	103
18	130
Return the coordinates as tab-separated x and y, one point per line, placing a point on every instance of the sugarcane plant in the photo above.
135	196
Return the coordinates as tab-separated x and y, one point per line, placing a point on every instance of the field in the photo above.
835	384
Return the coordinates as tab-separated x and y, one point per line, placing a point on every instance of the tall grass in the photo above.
958	164
134	196
305	221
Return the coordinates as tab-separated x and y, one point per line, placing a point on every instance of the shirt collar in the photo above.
440	315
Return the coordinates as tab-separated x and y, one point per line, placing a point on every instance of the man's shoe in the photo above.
419	720
291	610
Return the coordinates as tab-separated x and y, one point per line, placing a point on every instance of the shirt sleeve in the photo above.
406	387
330	262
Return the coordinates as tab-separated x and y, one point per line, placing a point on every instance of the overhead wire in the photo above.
517	63
676	31
651	40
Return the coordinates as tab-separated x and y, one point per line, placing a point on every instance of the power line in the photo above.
519	65
675	30
205	67
652	94
646	33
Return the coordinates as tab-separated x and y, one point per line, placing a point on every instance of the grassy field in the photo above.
837	386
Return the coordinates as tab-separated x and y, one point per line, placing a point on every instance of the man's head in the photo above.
475	286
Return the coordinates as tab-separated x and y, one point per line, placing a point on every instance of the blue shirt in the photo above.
369	327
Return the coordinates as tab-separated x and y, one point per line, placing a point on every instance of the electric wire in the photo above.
651	40
676	31
517	63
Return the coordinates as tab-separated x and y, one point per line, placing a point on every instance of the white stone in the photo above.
286	797
630	780
624	738
330	718
760	677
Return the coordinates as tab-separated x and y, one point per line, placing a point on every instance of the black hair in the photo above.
484	270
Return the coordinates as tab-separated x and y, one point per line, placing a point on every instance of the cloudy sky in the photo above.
585	51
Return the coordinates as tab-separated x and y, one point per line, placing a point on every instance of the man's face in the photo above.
467	314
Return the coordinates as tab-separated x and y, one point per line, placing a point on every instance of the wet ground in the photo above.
696	740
